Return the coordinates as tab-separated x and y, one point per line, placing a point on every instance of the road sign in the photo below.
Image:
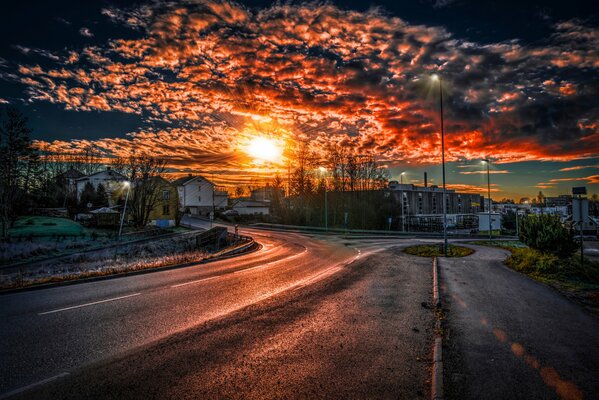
580	210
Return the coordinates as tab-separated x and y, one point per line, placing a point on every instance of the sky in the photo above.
197	81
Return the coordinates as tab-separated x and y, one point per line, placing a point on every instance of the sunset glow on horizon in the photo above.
195	82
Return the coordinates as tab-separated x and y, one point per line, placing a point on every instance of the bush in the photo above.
546	234
532	261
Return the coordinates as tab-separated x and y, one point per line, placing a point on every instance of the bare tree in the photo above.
144	176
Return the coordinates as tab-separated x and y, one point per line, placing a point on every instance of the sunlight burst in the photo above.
264	149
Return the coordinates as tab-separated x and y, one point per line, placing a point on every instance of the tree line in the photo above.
33	176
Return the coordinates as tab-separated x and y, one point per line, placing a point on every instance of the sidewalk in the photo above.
509	337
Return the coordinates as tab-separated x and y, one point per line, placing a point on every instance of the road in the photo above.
303	316
510	337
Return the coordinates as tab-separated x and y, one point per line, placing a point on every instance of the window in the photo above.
166	195
166	209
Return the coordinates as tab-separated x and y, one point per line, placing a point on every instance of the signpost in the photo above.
580	213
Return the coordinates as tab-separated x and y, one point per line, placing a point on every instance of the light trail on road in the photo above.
83	323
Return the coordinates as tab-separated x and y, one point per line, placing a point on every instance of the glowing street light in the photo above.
437	78
127	184
486	161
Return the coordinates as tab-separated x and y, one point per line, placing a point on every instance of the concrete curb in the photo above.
437	372
249	247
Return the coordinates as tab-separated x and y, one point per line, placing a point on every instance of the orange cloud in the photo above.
199	74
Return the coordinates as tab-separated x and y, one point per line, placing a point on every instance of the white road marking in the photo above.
271	263
196	281
28	387
89	304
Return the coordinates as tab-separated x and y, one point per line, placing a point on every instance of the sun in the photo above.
263	149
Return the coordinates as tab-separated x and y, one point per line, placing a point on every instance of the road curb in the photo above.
437	371
249	247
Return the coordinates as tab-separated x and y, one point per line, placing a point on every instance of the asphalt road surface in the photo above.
509	337
302	317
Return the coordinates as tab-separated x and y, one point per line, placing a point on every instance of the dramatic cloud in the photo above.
202	75
552	183
577	168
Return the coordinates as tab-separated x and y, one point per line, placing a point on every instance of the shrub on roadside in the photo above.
531	261
546	234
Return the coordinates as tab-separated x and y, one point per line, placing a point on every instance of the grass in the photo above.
46	226
504	244
433	250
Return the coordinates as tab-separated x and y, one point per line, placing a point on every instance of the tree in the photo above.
88	195
547	234
144	176
101	198
18	162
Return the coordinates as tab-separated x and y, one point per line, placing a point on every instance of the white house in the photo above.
111	180
251	207
197	195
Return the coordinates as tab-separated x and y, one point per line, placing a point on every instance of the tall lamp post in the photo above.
486	161
323	172
128	185
437	78
403	221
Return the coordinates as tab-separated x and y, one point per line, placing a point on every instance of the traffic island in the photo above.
436	250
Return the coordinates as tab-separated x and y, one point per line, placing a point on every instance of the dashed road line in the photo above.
33	385
88	304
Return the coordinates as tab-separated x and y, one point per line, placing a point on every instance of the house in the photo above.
67	181
164	213
109	179
266	193
246	206
199	196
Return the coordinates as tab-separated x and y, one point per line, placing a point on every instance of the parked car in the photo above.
230	213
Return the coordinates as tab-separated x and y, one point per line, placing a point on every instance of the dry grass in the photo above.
433	250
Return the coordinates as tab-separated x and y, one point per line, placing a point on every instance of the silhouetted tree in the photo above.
18	164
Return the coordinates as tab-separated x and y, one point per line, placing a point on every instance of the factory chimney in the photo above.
425	180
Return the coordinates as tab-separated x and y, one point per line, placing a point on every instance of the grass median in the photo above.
435	250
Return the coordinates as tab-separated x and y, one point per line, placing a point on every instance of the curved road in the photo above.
53	333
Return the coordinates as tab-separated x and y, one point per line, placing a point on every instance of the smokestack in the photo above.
425	180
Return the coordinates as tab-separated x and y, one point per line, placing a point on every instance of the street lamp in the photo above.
486	161
437	78
403	222
128	186
323	172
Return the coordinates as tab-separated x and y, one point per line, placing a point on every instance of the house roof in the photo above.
113	174
188	179
71	173
250	203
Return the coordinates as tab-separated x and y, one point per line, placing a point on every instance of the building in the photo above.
198	196
425	200
495	222
165	212
266	193
251	207
109	179
67	181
